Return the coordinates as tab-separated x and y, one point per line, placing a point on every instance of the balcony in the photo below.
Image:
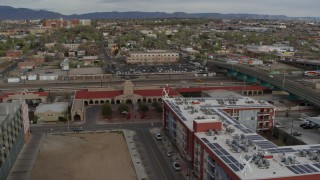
263	128
263	113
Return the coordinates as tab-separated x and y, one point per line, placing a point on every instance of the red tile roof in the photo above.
154	92
39	93
83	94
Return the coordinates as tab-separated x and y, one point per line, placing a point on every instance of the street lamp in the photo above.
284	79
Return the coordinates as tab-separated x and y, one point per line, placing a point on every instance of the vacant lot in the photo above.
84	156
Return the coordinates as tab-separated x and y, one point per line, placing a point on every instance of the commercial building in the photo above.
152	57
14	130
60	23
218	146
51	112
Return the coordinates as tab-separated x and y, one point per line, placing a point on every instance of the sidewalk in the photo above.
136	160
26	159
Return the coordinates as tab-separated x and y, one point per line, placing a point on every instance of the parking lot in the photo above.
157	69
292	124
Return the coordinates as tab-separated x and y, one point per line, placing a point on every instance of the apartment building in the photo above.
152	57
218	146
14	130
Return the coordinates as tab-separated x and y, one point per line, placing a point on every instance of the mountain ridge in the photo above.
10	13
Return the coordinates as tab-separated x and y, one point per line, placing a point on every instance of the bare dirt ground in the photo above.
84	156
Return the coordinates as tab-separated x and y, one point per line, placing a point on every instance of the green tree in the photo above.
106	110
62	119
41	90
157	106
143	107
123	107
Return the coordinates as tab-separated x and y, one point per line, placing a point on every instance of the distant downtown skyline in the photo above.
294	8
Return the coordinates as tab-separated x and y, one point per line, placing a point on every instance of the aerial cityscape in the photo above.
142	90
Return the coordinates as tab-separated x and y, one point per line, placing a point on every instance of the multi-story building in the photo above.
152	57
219	147
14	130
59	23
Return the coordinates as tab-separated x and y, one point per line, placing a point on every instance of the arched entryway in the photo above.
159	99
96	102
102	102
86	103
118	102
77	117
128	101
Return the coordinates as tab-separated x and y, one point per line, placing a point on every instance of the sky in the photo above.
294	8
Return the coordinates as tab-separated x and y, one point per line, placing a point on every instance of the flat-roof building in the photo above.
218	146
152	57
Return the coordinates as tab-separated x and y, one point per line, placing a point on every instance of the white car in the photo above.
176	166
158	136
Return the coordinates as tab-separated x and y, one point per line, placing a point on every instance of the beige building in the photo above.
51	112
152	57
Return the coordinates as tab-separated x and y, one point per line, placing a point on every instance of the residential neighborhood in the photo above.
197	97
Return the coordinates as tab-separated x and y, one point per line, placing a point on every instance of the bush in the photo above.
62	119
123	107
106	111
157	106
143	107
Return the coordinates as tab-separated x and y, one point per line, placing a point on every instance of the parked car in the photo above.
176	166
158	136
169	153
279	125
309	126
270	102
296	133
77	129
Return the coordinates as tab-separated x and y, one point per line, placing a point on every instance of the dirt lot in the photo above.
82	157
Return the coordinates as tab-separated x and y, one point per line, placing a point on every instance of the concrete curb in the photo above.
137	162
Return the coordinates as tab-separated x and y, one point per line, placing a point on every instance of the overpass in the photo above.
253	74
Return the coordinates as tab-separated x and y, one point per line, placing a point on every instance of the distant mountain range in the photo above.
10	13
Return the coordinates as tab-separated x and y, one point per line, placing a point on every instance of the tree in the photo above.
157	106
123	108
41	90
106	110
143	107
62	119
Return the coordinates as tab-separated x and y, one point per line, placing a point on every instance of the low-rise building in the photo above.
65	64
152	57
26	66
51	112
14	54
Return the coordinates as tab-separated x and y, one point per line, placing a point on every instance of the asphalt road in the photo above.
155	161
